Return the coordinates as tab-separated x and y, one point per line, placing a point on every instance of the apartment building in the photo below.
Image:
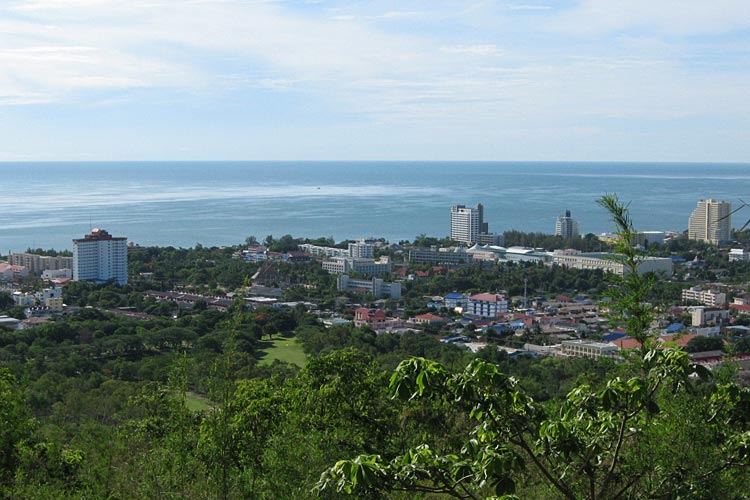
711	298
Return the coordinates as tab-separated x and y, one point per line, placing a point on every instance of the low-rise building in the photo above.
702	316
295	257
254	253
646	238
9	272
53	274
36	264
10	323
375	286
449	257
320	251
711	298
737	254
486	305
6	273
429	319
376	319
510	254
23	299
370	267
454	300
586	349
612	263
188	300
38	311
367	267
51	298
19	271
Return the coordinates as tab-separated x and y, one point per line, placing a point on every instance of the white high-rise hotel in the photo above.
99	257
711	221
467	223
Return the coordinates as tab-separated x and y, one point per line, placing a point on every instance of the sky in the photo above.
569	80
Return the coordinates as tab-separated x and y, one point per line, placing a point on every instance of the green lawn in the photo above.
196	402
283	349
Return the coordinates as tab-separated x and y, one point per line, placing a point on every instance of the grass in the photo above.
283	349
196	402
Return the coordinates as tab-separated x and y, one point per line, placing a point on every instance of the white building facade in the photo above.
611	263
585	349
467	223
711	221
710	298
368	267
100	257
362	249
375	286
737	254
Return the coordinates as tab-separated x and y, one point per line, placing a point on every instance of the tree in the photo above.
6	301
630	299
702	344
16	312
582	450
16	427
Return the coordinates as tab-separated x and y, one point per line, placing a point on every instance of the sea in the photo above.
181	204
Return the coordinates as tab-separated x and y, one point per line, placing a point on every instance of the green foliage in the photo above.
16	426
6	301
585	448
702	344
587	243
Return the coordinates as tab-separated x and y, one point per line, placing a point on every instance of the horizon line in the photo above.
661	162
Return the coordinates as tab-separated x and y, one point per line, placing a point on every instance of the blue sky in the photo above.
635	80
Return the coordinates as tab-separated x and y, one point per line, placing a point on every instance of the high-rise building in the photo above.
566	226
99	257
467	223
711	221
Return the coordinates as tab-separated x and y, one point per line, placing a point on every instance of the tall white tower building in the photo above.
566	226
711	221
467	223
99	257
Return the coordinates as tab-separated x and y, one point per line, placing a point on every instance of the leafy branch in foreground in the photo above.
578	451
630	300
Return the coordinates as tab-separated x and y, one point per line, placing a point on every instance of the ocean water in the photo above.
218	203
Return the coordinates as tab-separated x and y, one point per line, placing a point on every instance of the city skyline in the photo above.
573	80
